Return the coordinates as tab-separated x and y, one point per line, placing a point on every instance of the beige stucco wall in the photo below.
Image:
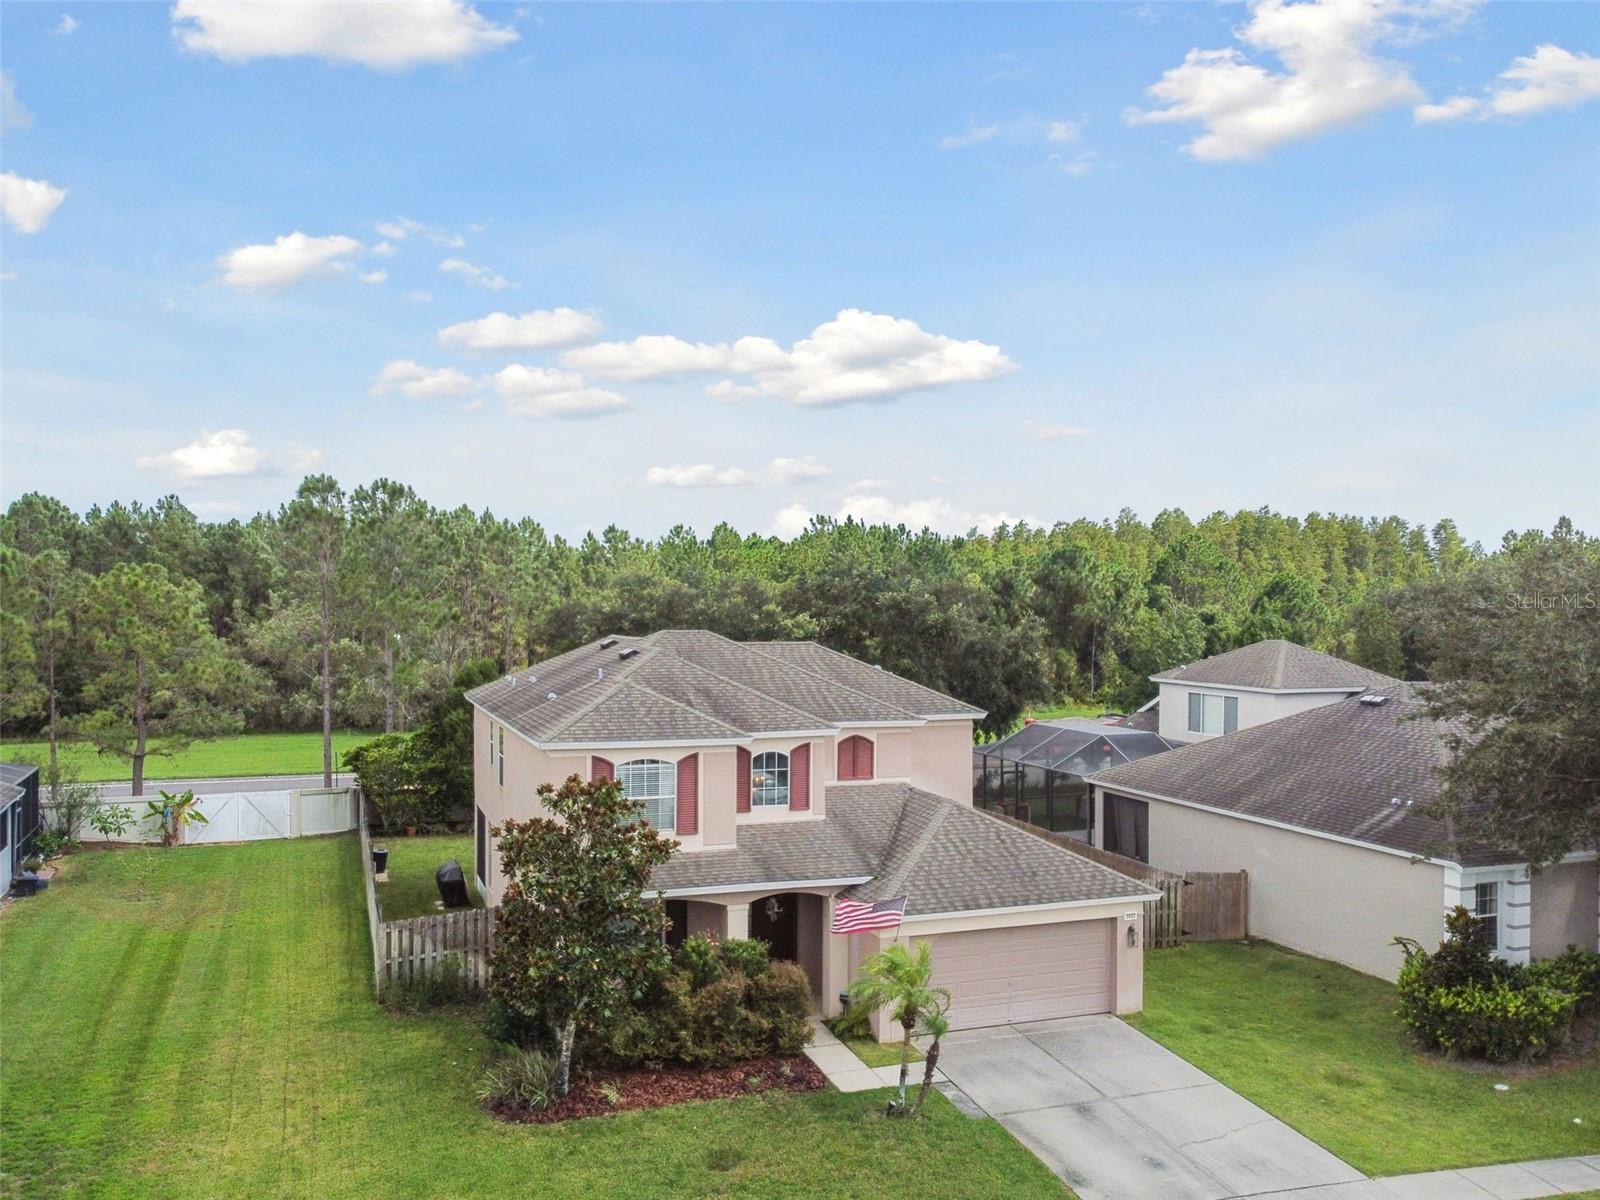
1312	894
936	757
1566	908
1255	708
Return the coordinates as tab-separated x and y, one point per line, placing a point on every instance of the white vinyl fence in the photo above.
242	816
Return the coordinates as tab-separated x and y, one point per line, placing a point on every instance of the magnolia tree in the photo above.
576	933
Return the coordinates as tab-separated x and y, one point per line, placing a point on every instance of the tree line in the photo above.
141	628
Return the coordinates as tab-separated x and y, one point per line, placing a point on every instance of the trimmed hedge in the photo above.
1464	1001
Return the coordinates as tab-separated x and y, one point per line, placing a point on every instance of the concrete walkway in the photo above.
848	1073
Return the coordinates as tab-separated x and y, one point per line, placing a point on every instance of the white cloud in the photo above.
1062	132
402	228
935	513
288	259
417	296
374	276
546	392
1550	77
975	136
67	25
477	276
383	249
388	36
13	113
729	392
856	356
704	475
1331	76
227	453
531	331
1077	165
301	458
1449	110
1054	433
422	383
28	203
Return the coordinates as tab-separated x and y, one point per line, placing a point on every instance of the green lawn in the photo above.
220	1039
412	890
1072	708
880	1054
243	754
1319	1046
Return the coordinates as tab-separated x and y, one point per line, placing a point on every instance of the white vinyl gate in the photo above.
242	817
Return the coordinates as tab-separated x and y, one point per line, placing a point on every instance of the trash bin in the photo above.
380	859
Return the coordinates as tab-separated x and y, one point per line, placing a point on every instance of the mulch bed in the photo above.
644	1088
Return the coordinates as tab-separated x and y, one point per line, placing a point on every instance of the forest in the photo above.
355	609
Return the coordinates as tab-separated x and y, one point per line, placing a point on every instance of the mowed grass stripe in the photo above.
219	1038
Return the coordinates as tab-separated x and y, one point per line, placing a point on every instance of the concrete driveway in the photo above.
1120	1117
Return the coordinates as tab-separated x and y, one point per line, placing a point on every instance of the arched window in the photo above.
654	784
769	780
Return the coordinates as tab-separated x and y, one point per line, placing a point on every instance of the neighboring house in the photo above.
792	776
19	819
1039	774
1323	808
1251	686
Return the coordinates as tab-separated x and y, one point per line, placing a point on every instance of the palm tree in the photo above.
902	982
935	1024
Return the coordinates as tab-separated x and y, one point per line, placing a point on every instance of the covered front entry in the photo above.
1001	976
776	921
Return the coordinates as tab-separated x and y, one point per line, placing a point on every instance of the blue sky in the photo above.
1342	259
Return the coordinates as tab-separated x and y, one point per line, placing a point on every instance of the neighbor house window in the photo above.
654	785
1486	907
769	780
1213	714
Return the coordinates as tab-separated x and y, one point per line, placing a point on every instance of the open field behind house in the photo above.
240	754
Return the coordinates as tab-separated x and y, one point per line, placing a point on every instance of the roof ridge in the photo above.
745	687
1283	658
787	665
616	680
913	855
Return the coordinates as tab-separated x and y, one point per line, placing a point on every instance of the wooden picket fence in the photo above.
412	947
1202	906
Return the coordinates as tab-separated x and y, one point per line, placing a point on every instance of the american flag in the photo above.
857	916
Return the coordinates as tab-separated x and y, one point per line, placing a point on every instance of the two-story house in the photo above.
793	776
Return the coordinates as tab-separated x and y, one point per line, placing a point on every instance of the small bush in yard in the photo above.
446	985
1464	1001
523	1078
748	955
698	955
782	999
1573	970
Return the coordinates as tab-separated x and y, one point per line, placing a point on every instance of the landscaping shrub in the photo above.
1573	970
781	998
698	955
504	1024
1463	1001
855	1021
524	1078
749	955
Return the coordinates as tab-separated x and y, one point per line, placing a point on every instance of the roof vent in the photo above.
607	643
625	655
1374	699
599	673
1396	802
550	696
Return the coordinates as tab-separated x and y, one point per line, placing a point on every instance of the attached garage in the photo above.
1027	972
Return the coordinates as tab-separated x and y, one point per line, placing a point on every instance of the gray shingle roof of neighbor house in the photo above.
1275	664
943	856
693	685
1351	769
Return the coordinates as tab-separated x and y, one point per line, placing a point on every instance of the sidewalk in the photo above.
847	1072
1508	1181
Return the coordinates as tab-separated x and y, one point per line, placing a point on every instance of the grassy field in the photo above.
220	1039
1319	1046
412	890
1072	708
243	754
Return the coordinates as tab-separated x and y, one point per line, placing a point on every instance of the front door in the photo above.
776	921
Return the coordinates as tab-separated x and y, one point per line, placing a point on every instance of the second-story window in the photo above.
769	780
654	785
1213	714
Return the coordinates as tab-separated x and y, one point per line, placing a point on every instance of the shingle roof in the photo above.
690	684
1350	769
943	856
1277	664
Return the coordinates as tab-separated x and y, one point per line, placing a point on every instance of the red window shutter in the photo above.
847	759
855	758
864	752
689	794
601	768
800	778
741	787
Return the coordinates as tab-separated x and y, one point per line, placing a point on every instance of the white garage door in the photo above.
1027	973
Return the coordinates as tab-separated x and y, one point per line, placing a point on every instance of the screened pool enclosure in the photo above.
1038	774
